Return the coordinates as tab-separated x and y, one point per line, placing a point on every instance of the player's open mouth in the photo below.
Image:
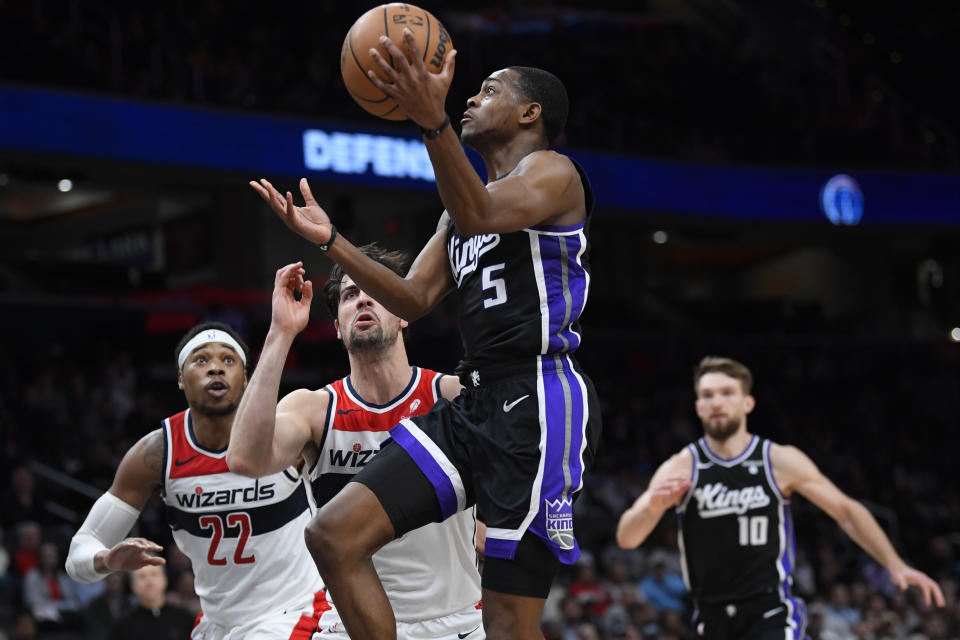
217	388
466	116
365	319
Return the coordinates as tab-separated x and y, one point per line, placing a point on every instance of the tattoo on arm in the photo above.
153	453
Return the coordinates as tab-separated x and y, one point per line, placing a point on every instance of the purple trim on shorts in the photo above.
553	481
442	486
500	548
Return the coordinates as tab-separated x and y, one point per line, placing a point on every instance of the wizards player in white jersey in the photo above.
517	441
732	490
244	538
430	575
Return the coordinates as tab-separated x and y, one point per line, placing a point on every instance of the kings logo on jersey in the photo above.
716	499
465	252
559	514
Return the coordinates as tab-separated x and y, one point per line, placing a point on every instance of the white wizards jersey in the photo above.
430	572
244	536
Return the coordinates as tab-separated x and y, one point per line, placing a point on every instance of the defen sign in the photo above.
384	156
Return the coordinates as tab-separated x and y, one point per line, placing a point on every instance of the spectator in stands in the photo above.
28	548
105	610
48	591
153	618
20	502
662	588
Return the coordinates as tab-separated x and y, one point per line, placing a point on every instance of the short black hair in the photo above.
394	260
537	85
210	326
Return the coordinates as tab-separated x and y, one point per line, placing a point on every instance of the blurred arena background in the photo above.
778	182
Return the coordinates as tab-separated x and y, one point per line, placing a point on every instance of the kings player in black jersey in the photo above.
732	490
517	440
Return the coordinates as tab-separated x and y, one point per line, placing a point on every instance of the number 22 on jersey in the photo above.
233	521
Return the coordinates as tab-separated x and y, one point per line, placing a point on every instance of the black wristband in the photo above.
326	245
430	134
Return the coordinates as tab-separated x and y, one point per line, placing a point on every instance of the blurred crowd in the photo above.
873	415
806	82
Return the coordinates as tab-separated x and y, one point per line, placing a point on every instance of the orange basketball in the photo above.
432	40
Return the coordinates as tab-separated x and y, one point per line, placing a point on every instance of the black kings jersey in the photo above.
736	532
520	294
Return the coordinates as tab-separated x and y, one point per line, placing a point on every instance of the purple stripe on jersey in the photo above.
799	611
565	287
789	546
564	414
500	548
430	467
559	228
800	618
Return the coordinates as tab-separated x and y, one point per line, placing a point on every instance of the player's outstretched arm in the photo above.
667	487
427	282
264	439
794	471
543	188
99	547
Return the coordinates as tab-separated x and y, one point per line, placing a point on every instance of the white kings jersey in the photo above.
244	536
430	572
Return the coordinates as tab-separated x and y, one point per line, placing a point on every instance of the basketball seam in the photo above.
362	99
386	31
362	71
426	46
386	113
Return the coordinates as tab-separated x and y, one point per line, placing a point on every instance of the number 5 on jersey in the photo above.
498	285
234	520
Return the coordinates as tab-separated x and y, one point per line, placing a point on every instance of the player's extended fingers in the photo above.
275	199
307	194
931	590
141	543
261	191
306	293
397	55
290	209
384	65
155	561
411	44
938	595
286	279
449	64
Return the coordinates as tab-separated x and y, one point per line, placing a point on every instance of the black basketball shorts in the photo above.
516	442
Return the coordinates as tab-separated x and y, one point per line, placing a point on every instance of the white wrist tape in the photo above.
109	521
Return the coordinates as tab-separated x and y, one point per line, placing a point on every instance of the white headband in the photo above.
210	335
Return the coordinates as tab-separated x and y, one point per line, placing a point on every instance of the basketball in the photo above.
432	40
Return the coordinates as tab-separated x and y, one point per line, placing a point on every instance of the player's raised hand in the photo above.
905	576
667	492
420	93
288	313
132	554
310	220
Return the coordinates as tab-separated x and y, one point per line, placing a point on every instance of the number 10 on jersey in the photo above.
753	530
